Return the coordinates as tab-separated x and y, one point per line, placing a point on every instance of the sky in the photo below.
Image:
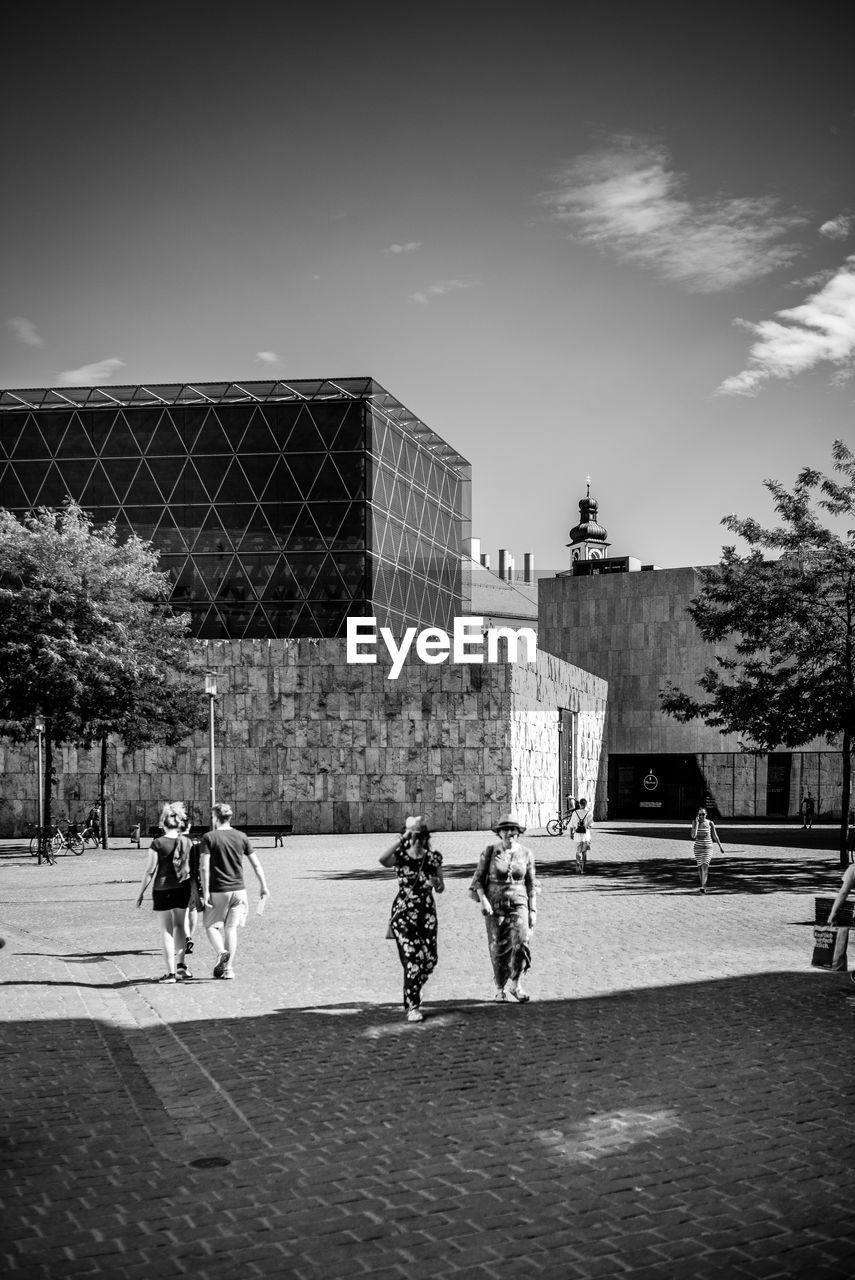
615	241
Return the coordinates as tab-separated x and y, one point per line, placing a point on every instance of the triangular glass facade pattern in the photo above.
277	508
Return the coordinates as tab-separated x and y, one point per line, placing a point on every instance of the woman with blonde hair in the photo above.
168	864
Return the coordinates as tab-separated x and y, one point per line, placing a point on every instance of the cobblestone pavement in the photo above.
676	1101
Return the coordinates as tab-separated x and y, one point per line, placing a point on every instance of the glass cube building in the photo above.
277	508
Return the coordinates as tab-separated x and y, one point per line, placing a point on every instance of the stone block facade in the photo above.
303	737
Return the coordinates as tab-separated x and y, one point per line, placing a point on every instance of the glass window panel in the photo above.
212	627
258	568
212	536
233	419
328	486
144	520
257	468
281	516
189	488
258	534
10	429
351	532
257	628
304	535
189	420
211	471
120	472
306	624
168	537
283	618
143	487
351	434
304	468
189	520
352	568
328	517
165	439
328	418
31	476
304	434
171	564
280	419
11	492
143	421
76	475
189	584
166	472
211	438
330	619
213	570
75	443
121	440
306	568
282	486
258	437
102	515
235	486
236	586
31	443
53	426
282	584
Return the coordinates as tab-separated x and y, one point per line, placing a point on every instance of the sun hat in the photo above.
412	825
508	820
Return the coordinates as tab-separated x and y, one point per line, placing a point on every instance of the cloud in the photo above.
409	247
267	357
91	375
423	297
25	331
821	329
837	228
628	199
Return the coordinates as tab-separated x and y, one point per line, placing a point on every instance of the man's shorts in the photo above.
230	907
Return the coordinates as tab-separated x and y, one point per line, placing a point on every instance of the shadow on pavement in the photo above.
727	875
784	837
669	1131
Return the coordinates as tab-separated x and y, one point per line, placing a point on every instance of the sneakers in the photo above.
500	995
413	1015
182	973
168	978
227	973
188	948
222	964
519	994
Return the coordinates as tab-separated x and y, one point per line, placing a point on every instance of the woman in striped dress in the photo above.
705	837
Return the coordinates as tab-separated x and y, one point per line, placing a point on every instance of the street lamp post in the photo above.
211	690
40	819
560	766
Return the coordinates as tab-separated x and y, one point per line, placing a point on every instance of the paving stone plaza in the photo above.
675	1103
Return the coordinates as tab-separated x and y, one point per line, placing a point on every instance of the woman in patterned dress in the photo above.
505	884
413	922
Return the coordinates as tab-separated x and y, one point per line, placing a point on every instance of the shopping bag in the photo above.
829	948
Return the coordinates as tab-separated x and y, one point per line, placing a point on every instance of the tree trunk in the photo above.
846	797
102	791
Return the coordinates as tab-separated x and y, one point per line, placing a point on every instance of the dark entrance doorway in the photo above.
778	770
655	786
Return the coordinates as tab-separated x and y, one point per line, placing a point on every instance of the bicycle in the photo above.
88	835
54	840
41	844
557	826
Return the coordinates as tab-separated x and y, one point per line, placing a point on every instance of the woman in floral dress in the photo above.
413	922
505	884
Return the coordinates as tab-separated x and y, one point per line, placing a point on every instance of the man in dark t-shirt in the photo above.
221	855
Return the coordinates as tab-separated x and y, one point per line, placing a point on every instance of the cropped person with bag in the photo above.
846	888
413	924
505	884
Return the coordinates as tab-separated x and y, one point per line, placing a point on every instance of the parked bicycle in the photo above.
557	826
54	840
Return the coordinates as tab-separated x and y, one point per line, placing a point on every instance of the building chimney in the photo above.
473	546
528	569
503	564
485	561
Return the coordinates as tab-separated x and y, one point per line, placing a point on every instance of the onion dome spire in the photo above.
588	529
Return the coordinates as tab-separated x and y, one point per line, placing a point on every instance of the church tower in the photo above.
588	537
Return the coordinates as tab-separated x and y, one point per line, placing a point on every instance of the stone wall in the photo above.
302	737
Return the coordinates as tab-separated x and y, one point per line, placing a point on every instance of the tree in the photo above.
789	623
86	639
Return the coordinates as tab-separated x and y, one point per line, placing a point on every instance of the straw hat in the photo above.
508	820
